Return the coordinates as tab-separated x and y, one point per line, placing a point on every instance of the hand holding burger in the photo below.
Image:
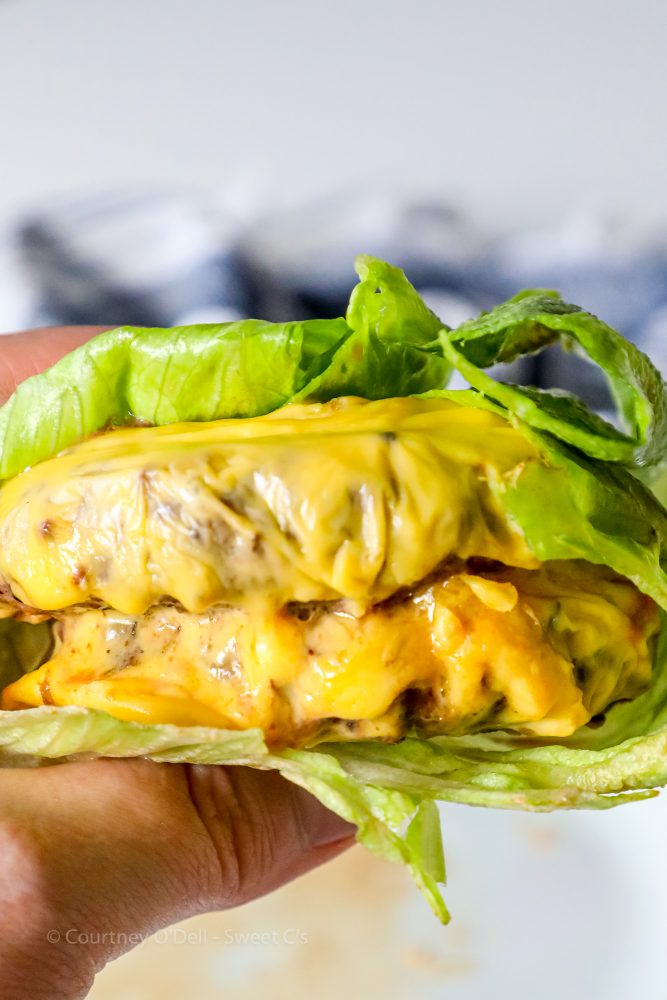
291	547
93	857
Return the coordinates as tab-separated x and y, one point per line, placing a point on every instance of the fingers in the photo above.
25	354
265	830
121	848
104	852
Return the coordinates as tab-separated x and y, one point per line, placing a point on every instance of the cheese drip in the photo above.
348	499
540	652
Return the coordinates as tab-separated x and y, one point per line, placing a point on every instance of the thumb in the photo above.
98	854
25	354
265	830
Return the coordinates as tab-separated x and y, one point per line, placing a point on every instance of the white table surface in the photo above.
570	905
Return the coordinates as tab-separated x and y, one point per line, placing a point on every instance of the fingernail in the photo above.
323	827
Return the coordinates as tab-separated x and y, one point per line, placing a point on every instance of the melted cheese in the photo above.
538	651
348	499
282	572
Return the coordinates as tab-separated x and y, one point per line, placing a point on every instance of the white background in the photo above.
518	111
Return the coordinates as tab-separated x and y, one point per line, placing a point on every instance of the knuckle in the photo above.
25	862
255	826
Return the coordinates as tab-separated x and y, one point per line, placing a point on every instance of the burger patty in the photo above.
261	573
316	502
476	646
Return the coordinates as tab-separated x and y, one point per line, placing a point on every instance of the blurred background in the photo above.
515	112
167	162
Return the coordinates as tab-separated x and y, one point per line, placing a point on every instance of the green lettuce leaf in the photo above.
396	825
570	506
576	502
531	321
387	347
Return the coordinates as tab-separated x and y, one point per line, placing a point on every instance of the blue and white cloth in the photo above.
161	259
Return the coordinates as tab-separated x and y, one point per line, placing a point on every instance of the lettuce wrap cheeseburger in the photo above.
289	546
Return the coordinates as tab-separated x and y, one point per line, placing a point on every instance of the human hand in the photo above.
99	854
